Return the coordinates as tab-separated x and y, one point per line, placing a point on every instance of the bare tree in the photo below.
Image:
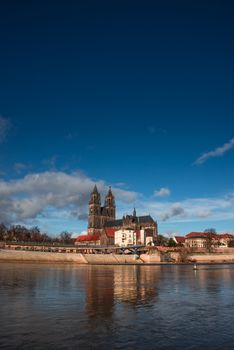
65	237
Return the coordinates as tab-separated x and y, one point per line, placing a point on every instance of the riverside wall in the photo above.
109	259
211	258
12	255
78	258
203	257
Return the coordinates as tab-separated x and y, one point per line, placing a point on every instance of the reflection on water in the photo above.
122	307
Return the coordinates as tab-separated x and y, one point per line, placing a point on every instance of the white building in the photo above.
125	237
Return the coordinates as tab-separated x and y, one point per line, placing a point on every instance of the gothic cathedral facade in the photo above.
102	220
98	215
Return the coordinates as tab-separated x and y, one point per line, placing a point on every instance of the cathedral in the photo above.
102	220
99	216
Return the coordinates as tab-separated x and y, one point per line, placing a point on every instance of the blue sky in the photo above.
130	94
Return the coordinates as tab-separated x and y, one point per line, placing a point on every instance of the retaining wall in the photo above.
111	259
41	256
78	258
108	259
209	258
151	258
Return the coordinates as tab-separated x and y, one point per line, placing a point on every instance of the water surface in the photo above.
47	306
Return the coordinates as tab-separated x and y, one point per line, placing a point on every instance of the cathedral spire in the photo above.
109	193
95	196
95	189
110	199
134	212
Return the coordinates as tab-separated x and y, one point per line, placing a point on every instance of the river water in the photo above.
47	306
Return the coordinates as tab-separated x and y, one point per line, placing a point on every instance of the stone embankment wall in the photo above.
108	259
78	258
203	257
211	258
151	258
111	259
12	255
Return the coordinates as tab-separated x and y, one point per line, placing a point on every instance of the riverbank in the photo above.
108	259
78	258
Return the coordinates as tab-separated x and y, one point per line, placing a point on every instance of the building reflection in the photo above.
108	285
99	291
134	284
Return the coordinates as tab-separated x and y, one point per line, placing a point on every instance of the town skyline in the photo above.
139	98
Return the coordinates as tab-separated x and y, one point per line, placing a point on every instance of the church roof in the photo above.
138	219
114	223
144	219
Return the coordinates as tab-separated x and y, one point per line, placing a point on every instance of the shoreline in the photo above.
121	264
111	259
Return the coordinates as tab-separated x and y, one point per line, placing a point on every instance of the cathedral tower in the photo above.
94	211
98	215
110	205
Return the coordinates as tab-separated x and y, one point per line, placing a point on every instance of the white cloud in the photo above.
163	192
191	209
5	126
175	210
218	152
57	199
34	194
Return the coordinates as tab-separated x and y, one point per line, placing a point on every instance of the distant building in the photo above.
103	224
179	240
204	239
196	240
225	238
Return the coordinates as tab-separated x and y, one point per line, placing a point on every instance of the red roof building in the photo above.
179	240
201	239
90	239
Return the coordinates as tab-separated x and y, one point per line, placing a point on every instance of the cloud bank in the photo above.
192	209
55	201
35	194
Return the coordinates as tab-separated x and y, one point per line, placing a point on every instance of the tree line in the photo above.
22	234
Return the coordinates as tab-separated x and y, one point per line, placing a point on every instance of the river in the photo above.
52	306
